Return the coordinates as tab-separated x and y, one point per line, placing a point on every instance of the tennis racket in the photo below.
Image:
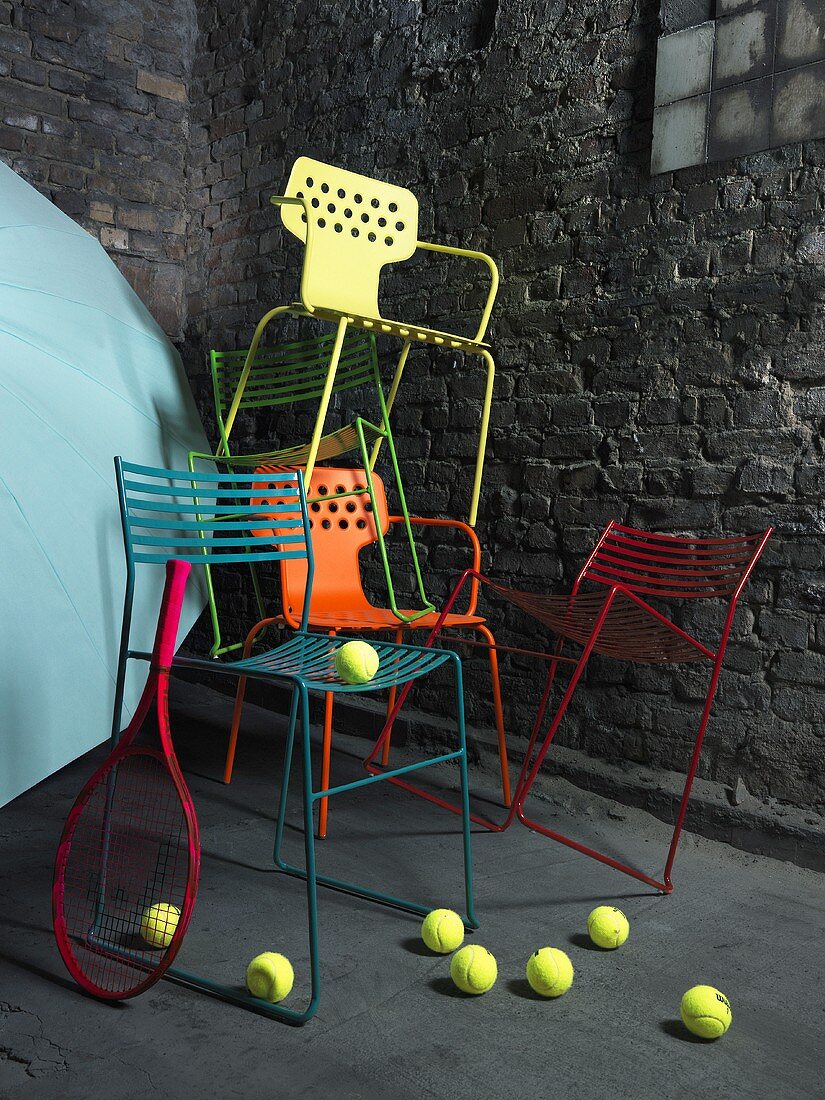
127	867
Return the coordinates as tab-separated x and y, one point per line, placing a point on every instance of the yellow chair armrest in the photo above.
471	254
293	200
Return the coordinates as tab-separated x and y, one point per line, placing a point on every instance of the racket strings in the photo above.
129	852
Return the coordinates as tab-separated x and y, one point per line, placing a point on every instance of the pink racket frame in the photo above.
156	689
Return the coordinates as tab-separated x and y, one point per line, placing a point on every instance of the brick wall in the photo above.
94	112
659	341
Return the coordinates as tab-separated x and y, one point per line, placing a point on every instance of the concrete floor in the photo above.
390	1022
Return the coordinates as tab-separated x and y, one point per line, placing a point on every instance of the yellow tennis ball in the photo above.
549	972
607	926
270	976
706	1012
442	931
356	662
158	924
473	969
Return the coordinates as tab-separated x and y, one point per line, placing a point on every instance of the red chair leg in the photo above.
694	763
551	733
499	713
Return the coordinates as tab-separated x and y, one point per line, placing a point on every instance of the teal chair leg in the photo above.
300	700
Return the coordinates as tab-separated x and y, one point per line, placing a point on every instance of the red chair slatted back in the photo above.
671	566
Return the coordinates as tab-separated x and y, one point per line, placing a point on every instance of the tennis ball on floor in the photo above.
270	976
549	972
706	1012
473	969
442	931
607	926
158	924
356	662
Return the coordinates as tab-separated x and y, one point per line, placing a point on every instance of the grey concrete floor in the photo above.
390	1022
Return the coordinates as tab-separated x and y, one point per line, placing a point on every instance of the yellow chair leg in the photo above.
482	438
247	367
325	396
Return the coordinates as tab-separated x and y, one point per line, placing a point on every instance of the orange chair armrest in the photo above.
457	525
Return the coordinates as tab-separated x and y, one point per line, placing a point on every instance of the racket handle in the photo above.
177	573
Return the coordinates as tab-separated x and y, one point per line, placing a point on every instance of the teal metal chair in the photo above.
221	518
292	375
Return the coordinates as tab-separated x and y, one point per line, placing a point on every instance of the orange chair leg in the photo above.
502	739
385	752
326	753
239	696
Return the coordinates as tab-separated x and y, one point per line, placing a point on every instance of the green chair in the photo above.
287	376
352	226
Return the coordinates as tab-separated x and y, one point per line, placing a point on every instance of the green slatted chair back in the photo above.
290	373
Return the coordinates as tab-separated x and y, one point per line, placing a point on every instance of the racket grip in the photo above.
177	574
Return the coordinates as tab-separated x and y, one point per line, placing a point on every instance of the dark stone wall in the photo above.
659	341
94	112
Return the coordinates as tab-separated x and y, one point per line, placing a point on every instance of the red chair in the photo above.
341	529
614	617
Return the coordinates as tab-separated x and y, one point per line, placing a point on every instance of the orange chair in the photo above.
340	530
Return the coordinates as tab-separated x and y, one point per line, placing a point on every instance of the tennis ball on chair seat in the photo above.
706	1012
158	924
473	969
549	972
607	926
442	930
270	976
356	662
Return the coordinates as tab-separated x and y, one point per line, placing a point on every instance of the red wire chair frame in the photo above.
600	569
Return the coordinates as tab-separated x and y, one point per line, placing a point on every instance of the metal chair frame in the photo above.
352	226
216	518
340	603
291	374
628	563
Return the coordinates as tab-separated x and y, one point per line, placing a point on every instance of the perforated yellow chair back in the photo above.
358	225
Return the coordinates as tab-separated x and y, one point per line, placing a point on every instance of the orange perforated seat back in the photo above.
341	528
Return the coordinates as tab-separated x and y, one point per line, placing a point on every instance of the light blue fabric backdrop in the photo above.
85	374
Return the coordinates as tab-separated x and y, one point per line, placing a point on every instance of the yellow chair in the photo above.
352	226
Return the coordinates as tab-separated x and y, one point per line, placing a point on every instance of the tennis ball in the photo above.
158	924
442	931
706	1012
607	926
270	976
473	969
356	662
549	972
